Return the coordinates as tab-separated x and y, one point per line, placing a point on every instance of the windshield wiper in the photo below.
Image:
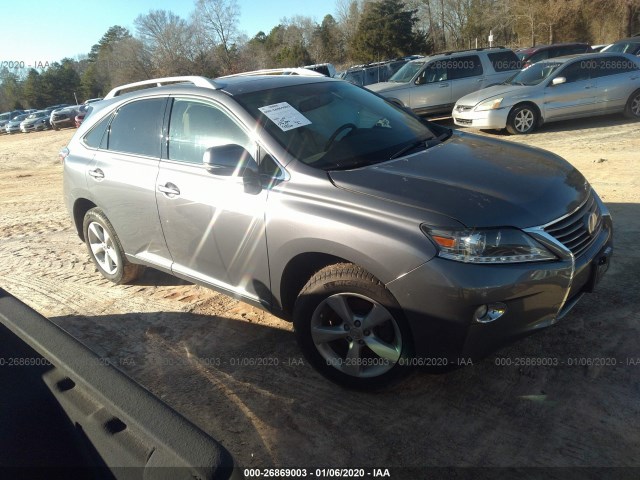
427	142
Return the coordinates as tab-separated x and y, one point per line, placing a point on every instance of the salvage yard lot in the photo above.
237	372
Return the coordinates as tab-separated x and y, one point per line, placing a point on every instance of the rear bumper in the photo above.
440	297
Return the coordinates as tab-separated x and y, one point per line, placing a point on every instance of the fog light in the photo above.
489	313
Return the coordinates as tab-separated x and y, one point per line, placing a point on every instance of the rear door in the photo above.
432	90
466	75
618	78
123	175
213	227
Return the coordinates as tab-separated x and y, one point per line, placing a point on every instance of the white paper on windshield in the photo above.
285	116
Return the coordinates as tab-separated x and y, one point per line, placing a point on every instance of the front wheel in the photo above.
522	119
351	329
632	108
105	249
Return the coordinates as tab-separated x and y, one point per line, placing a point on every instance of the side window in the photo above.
576	72
96	137
195	126
464	67
137	126
605	66
504	61
435	72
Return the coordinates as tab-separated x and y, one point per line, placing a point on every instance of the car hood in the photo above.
511	91
387	86
477	181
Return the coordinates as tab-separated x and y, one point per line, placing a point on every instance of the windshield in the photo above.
334	125
407	72
534	74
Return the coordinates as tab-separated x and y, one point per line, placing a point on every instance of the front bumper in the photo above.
440	297
489	119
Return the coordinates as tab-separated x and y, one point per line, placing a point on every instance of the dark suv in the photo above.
376	72
531	55
389	241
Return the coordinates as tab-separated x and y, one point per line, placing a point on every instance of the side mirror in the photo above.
558	81
233	161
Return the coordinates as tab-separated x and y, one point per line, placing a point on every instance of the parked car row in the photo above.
561	88
488	88
56	117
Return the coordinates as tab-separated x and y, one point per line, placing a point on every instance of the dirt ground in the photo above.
237	373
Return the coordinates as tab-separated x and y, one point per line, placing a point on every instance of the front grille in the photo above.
463	121
463	108
573	230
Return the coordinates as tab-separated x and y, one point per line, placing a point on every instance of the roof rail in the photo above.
278	71
468	50
158	82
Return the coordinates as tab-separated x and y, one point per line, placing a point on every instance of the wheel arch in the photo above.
80	208
297	273
534	105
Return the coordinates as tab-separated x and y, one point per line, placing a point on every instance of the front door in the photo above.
213	226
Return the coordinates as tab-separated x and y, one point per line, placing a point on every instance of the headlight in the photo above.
496	245
489	105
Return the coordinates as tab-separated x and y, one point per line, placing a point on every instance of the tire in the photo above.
632	108
105	249
523	119
351	329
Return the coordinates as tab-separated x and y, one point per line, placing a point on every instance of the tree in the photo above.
219	23
386	30
97	78
168	40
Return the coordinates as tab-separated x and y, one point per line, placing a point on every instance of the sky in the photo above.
49	30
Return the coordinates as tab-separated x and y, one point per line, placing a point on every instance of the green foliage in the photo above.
386	30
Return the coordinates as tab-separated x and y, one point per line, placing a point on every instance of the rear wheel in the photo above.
105	249
351	329
632	108
522	119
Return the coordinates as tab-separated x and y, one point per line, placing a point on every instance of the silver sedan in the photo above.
556	89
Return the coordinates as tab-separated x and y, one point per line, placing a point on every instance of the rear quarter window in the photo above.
95	137
504	61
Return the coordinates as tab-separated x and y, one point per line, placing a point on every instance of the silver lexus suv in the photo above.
387	240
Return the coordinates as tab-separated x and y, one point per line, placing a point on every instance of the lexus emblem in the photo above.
591	220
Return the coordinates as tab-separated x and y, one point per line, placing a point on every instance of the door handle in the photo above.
97	174
442	85
169	189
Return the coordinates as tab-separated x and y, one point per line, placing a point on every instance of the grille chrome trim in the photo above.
572	230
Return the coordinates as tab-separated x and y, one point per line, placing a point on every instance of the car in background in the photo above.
36	121
431	85
531	55
6	117
376	72
326	69
13	126
386	239
82	112
92	100
556	89
63	117
626	45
